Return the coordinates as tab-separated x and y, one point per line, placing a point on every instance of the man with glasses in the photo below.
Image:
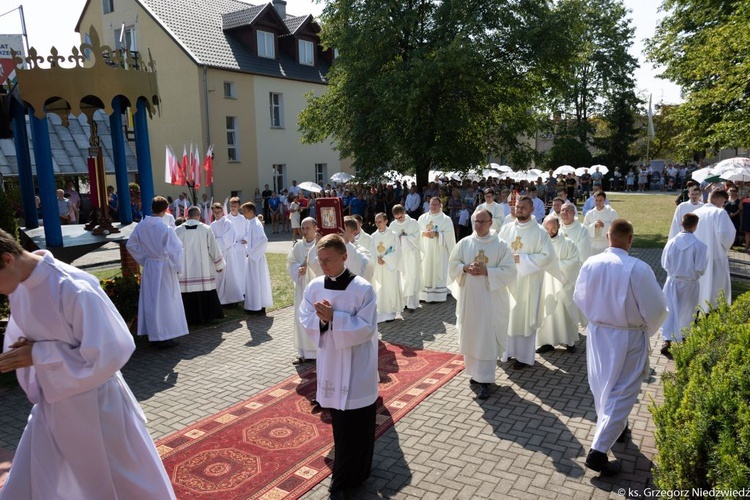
574	230
496	209
438	240
481	268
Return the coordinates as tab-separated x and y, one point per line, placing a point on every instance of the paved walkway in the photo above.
528	440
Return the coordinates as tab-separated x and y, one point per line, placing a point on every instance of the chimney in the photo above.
280	8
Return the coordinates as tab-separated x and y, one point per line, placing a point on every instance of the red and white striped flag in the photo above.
208	165
197	171
183	166
168	167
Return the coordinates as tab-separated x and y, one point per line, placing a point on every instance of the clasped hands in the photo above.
18	356
475	269
324	310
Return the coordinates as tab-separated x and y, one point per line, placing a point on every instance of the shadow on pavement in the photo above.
259	327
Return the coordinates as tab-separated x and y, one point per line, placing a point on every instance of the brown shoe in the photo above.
666	345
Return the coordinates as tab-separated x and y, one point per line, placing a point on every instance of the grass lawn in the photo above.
650	214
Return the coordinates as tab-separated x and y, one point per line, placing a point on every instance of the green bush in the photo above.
123	291
703	426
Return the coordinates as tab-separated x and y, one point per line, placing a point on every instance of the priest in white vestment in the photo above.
203	261
86	437
241	230
157	248
496	209
301	274
573	229
437	241
694	202
339	312
230	284
533	254
258	294
716	230
685	259
481	268
362	238
597	222
359	259
621	298
386	255
561	314
409	235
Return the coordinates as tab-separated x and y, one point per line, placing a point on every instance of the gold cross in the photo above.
516	245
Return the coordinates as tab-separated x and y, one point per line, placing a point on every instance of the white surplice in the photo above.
168	219
685	259
359	261
347	367
411	259
230	284
203	257
363	240
606	215
298	257
716	230
387	276
580	236
157	248
497	211
683	208
86	437
534	248
482	302
258	292
561	314
241	230
625	306
436	252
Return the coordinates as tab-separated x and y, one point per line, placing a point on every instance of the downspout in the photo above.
208	127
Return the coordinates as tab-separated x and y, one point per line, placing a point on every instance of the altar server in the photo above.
301	274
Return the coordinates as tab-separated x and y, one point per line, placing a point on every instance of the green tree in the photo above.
620	130
602	68
704	47
568	151
423	84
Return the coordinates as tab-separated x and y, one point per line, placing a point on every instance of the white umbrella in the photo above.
736	174
564	170
500	168
737	162
603	169
701	174
341	177
310	186
582	170
538	172
488	172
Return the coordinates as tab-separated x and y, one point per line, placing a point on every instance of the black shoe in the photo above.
624	436
517	365
484	392
336	495
167	344
666	345
598	462
545	348
571	348
473	382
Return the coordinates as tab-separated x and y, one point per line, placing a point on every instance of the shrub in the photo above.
10	225
123	291
703	426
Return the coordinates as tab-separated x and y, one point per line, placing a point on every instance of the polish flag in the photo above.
208	165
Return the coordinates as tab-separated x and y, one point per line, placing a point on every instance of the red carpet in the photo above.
6	457
272	446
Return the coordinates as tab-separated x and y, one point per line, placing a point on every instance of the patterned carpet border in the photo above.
274	446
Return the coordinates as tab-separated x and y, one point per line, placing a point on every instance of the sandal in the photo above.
298	361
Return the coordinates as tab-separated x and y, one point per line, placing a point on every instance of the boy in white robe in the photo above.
685	259
621	298
438	240
301	274
258	294
716	230
359	259
157	248
230	285
694	202
482	267
407	230
597	222
86	437
496	209
533	254
241	230
573	229
339	312
561	314
386	254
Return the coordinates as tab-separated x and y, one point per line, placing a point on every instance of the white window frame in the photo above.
276	109
279	177
130	39
233	145
266	44
321	173
306	52
108	6
230	90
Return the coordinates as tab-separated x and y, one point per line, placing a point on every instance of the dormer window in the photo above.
306	53
266	44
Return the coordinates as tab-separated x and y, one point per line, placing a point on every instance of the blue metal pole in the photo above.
121	168
25	176
143	154
45	175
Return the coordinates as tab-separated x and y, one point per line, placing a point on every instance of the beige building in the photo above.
230	74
